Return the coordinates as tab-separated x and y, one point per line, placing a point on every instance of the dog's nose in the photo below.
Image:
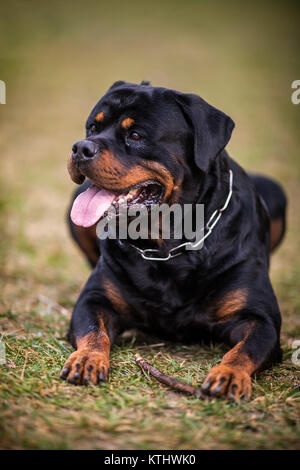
84	149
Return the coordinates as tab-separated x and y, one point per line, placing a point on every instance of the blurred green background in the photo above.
57	59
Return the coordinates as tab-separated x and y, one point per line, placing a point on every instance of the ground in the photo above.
58	59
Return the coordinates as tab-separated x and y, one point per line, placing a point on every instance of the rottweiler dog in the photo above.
151	145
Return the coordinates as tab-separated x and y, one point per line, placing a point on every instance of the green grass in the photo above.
57	60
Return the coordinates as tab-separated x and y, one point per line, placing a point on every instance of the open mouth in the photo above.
94	203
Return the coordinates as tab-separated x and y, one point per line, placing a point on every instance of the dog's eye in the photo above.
93	128
134	136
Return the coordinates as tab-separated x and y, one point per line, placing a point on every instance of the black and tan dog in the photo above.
147	144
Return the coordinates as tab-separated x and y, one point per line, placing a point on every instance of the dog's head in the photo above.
141	143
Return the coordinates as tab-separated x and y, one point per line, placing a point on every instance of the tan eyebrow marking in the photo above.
127	122
100	116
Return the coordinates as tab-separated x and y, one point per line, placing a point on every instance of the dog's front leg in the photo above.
92	331
256	347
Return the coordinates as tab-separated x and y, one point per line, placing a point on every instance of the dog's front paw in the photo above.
84	367
227	381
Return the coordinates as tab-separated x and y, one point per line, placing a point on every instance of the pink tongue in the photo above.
89	206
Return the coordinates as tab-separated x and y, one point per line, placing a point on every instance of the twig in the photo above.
24	366
166	380
146	346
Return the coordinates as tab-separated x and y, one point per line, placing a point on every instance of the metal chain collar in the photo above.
214	219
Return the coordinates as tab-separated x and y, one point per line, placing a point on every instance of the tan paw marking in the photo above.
227	381
84	366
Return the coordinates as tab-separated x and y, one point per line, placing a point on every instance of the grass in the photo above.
56	62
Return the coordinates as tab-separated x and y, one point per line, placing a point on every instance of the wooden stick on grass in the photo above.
166	380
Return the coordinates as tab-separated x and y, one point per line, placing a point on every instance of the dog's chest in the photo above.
171	309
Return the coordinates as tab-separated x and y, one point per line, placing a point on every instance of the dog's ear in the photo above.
211	128
117	84
121	82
